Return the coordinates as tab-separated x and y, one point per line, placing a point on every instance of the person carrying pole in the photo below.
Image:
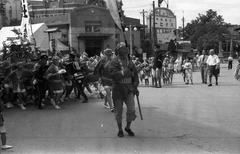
125	81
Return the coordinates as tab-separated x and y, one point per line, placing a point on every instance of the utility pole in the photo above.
143	13
154	24
150	26
183	24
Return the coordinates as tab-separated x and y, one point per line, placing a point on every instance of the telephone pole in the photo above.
143	13
154	24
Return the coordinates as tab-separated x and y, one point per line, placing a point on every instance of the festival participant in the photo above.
213	63
125	81
53	75
188	67
40	80
157	67
75	69
171	69
16	81
3	129
104	74
202	60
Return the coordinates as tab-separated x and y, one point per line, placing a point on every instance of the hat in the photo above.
107	52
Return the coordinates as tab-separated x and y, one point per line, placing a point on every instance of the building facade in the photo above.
84	25
165	25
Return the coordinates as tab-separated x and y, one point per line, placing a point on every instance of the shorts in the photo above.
213	70
2	129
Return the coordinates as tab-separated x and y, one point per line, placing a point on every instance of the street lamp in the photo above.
130	28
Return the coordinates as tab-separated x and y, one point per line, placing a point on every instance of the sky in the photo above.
229	9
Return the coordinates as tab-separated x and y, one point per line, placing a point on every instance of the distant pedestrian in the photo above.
125	81
157	67
230	62
202	61
188	67
237	71
213	63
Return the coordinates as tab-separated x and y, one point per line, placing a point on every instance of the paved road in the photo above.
185	119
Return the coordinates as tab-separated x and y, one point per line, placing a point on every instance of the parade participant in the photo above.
165	72
213	63
237	71
171	69
230	62
188	67
3	129
75	69
202	60
16	81
40	81
103	70
125	82
157	66
53	75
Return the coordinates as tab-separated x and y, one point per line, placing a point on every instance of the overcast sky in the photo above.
229	9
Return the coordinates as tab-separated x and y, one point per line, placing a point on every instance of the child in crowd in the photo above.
171	69
188	71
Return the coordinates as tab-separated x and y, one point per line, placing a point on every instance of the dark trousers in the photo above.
80	89
230	65
41	88
204	70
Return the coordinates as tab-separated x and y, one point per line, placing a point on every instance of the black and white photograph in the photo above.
119	77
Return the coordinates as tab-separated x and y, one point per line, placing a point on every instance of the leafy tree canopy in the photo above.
206	30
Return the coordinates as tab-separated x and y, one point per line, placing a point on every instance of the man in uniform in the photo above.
125	81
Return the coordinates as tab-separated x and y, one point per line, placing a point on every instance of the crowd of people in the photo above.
54	80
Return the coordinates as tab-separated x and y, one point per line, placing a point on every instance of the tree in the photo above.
206	30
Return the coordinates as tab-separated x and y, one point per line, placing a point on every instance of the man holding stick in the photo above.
125	82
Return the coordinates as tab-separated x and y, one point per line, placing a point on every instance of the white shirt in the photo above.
213	60
201	60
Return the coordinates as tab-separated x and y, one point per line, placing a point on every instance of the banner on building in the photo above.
113	8
25	23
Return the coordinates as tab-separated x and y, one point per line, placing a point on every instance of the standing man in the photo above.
213	63
202	60
230	62
125	81
157	67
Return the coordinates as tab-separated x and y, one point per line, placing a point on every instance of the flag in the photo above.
25	23
113	8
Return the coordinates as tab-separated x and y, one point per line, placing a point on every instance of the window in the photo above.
92	26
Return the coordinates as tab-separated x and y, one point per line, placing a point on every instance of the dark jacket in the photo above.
121	89
158	60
